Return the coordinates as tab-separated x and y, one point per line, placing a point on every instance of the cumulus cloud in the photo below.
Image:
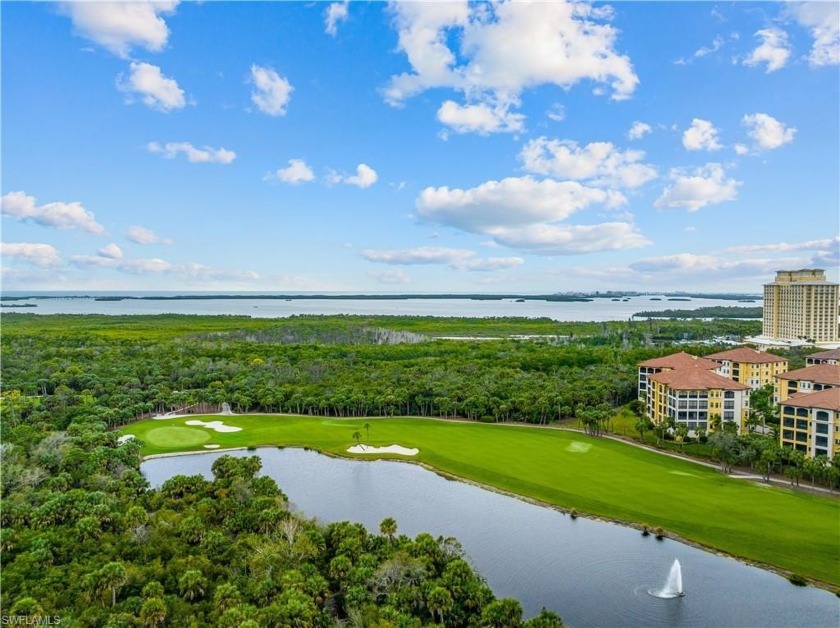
692	190
21	206
336	12
121	26
296	172
271	91
482	118
194	155
456	259
638	130
600	163
503	49
111	251
553	239
364	178
41	255
701	135
774	50
767	132
510	202
141	235
155	90
823	21
556	112
390	276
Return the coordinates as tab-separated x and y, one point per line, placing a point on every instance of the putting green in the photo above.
177	436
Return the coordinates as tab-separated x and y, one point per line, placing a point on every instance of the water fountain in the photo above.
673	585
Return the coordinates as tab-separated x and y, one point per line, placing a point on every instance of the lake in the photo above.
591	573
602	309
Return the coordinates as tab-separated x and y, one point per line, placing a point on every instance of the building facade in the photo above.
801	305
811	423
694	397
753	368
671	362
823	357
811	379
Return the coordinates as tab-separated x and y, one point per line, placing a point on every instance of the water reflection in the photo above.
591	573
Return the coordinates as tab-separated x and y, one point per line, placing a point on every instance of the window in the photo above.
801	437
801	425
822	428
821	441
788	435
788	422
822	415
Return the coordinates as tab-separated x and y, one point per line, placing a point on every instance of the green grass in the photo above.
791	530
172	436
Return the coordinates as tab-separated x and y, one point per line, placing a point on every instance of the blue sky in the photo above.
418	147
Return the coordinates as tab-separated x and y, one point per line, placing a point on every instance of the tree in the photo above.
192	584
367	431
153	612
504	613
388	527
113	576
357	436
439	602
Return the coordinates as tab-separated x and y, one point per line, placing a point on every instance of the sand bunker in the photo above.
211	446
124	438
218	426
577	447
391	449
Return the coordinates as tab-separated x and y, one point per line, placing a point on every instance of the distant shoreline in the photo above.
574	297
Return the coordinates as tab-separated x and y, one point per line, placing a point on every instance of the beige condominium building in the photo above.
811	422
801	305
748	366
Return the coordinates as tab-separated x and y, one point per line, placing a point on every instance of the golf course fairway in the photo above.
792	531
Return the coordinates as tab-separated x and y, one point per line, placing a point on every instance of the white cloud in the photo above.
701	135
717	44
504	48
767	132
364	178
774	50
390	276
271	91
120	26
823	19
112	251
706	185
741	149
824	244
551	239
456	259
41	255
510	202
600	163
705	265
141	235
556	112
155	90
194	155
156	266
638	130
296	172
21	206
336	12
481	118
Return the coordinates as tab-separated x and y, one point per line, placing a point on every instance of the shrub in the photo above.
573	513
487	419
797	580
660	534
645	530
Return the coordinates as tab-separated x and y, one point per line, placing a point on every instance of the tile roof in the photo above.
680	360
828	399
747	355
834	354
696	379
819	373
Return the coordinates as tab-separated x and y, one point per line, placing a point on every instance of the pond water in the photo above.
591	573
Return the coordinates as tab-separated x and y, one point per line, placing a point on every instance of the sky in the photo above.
411	147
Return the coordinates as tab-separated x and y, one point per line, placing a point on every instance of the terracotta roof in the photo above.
696	379
678	361
834	354
819	373
828	399
748	355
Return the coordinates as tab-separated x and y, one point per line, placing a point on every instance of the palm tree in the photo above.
113	576
192	584
389	527
367	431
153	612
357	436
439	602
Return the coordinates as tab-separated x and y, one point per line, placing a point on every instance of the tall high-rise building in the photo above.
801	305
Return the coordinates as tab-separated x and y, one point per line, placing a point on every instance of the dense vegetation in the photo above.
706	312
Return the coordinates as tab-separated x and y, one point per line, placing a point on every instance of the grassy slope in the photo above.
787	529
